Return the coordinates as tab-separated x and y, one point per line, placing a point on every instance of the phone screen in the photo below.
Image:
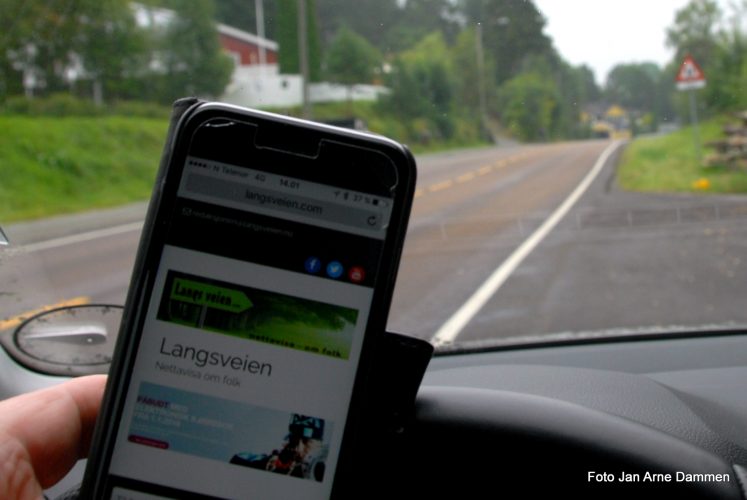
251	337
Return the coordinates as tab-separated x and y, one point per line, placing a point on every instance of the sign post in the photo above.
690	77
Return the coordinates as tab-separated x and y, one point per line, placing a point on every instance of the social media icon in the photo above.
312	265
334	269
356	274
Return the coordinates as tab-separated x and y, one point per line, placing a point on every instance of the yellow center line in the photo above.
484	170
14	321
441	186
465	178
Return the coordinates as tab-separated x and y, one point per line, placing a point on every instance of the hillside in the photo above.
55	165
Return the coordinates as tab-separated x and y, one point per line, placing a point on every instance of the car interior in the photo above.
488	97
565	418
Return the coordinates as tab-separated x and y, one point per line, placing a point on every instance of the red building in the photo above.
247	48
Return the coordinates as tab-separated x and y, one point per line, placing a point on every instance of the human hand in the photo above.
43	434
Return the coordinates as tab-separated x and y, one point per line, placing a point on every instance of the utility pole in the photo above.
481	84
259	10
694	121
481	80
303	54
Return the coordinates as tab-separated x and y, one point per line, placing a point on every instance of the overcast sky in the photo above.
603	33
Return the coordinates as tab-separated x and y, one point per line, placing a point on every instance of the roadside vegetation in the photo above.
85	104
415	133
718	41
54	165
668	163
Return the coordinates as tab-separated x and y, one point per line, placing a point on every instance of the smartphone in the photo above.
260	292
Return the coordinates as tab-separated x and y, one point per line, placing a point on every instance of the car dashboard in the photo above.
643	417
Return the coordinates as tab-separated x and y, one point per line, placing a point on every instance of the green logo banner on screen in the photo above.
216	297
259	315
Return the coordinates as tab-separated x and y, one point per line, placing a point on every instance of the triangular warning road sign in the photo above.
689	71
690	75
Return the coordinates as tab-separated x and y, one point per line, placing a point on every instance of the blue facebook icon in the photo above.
312	265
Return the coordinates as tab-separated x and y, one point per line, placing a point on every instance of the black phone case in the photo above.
390	389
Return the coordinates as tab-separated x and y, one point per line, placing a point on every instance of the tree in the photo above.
422	86
16	26
590	89
719	48
350	59
390	25
111	49
38	43
287	37
530	103
189	54
727	75
639	88
55	44
570	89
576	88
694	31
466	66
512	30
634	86
418	18
371	19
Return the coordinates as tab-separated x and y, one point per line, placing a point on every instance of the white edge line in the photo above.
456	323
80	238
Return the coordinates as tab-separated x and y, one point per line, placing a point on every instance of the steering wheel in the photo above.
482	443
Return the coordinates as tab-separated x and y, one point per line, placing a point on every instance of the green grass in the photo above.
668	163
54	165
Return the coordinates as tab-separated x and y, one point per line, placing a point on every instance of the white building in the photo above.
256	80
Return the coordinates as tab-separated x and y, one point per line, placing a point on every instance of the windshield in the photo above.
581	164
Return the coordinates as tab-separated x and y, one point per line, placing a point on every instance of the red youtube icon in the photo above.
356	274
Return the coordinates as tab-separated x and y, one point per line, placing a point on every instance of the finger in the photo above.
53	426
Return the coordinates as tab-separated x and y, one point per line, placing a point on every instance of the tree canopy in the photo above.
95	48
351	59
287	37
478	61
717	40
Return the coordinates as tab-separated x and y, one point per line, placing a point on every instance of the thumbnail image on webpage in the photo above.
281	442
259	315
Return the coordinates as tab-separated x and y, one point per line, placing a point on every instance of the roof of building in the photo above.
245	36
153	16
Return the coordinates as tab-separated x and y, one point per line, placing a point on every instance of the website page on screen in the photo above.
252	337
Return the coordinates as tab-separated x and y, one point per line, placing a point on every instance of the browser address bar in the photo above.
278	203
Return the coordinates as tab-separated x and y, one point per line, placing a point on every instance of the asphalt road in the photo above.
615	260
616	263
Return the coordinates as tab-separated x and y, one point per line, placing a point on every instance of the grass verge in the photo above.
55	165
52	165
668	163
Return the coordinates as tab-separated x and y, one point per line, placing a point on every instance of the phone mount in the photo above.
398	369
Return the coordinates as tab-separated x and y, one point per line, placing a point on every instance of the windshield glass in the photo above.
581	164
